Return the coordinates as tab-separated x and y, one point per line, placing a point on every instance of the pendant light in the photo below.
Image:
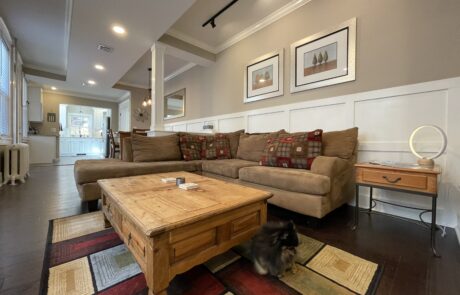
148	99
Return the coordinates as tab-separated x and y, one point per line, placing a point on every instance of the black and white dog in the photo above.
274	248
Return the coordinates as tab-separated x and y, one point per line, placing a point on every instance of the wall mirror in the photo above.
427	143
174	105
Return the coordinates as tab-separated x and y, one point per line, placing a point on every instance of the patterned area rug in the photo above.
82	257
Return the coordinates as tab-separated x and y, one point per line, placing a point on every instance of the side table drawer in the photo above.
396	179
400	180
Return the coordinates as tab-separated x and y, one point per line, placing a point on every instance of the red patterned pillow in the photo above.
191	146
216	147
293	150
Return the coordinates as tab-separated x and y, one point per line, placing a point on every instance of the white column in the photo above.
158	56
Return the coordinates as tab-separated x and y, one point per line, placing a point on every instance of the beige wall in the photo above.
137	97
398	42
51	103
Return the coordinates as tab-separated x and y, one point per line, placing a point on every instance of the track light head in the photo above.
213	24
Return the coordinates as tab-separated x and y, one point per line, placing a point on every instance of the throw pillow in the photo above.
216	147
340	144
234	139
191	146
158	148
251	146
293	151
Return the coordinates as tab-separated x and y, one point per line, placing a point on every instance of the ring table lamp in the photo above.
425	161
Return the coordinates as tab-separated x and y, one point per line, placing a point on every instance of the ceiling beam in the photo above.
44	74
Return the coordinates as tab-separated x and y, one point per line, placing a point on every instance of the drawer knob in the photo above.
391	181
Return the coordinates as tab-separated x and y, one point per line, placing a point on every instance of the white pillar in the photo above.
158	56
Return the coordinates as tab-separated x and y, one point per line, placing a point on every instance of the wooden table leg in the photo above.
157	275
370	200
355	225
106	222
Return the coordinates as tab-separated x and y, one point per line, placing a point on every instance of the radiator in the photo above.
14	163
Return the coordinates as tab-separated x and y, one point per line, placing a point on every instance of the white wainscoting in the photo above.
385	119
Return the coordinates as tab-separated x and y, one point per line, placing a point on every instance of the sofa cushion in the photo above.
294	180
216	147
228	168
86	171
191	146
234	140
251	146
340	143
292	151
152	149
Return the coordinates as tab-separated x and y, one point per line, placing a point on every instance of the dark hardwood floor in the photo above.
401	247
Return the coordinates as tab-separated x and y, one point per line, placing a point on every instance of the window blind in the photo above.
4	88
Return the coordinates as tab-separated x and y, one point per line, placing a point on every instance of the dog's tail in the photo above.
259	268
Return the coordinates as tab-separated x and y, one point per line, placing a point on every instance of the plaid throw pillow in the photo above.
191	146
217	147
293	150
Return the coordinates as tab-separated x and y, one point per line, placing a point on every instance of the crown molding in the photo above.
266	21
124	97
83	95
132	85
181	36
180	71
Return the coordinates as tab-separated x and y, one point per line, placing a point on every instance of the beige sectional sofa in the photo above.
315	192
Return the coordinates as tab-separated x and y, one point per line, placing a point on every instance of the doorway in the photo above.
82	130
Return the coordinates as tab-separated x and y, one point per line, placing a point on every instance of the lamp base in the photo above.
425	163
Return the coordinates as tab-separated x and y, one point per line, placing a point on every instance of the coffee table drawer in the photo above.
244	224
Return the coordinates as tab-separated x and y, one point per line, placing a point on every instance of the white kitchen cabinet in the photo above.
35	98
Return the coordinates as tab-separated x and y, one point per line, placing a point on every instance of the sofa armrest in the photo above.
127	150
329	166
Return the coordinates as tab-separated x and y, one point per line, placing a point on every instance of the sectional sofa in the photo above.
327	185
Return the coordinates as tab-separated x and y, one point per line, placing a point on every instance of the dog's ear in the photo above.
291	225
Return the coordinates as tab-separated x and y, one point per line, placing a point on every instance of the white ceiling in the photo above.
138	75
240	16
91	23
40	29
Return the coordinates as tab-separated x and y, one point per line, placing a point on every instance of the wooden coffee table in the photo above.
169	230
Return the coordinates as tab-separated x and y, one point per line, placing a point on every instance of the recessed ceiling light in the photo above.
99	67
53	88
118	29
91	82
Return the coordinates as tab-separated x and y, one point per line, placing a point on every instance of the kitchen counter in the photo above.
44	149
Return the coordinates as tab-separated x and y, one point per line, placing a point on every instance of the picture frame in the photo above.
325	58
174	105
263	77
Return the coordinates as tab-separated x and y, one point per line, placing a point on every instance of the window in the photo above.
4	88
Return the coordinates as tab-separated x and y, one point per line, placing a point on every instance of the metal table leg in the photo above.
370	200
433	226
355	226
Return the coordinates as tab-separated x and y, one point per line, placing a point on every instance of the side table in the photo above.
420	181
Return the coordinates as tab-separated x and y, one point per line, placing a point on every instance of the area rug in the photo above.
83	257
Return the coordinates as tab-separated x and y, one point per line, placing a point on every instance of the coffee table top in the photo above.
156	207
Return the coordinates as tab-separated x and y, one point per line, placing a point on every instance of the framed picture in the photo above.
263	77
323	59
174	105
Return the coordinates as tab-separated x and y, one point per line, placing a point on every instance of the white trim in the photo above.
181	36
180	71
5	33
67	24
133	85
124	97
81	95
266	21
